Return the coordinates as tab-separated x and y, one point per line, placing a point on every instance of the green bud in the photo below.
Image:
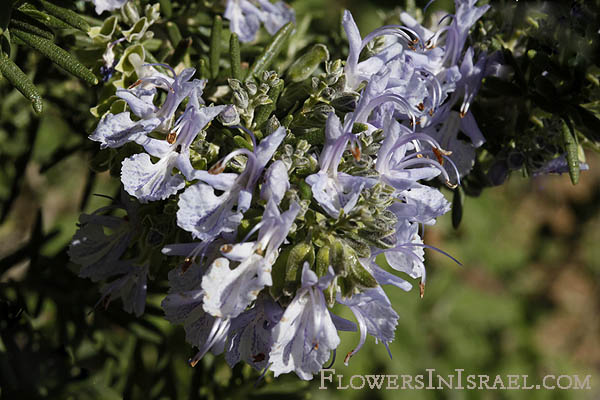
359	127
322	268
357	243
336	257
300	253
305	190
278	273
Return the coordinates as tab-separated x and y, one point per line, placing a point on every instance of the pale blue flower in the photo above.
206	214
245	17
149	181
305	336
462	153
336	191
116	130
357	72
397	162
107	5
102	239
96	251
201	329
407	255
466	14
250	336
276	15
130	287
375	315
471	76
228	292
277	182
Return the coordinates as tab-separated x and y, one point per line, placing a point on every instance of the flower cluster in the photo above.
245	17
284	217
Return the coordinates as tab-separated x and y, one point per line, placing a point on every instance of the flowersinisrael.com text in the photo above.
430	380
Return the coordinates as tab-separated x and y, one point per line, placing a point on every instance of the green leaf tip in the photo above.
59	56
21	82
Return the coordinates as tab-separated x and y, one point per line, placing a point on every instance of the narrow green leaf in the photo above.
19	80
203	69
306	64
271	51
26	23
235	59
174	33
166	8
66	15
58	56
215	46
571	148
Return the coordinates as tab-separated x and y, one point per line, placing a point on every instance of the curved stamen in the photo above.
364	112
437	91
165	66
417	161
427	6
394	30
332	360
222	163
455	171
413	137
362	324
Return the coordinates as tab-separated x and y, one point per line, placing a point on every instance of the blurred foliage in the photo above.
526	300
552	51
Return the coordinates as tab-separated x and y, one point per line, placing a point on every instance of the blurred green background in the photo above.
525	301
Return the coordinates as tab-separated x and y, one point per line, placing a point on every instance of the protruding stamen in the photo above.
171	137
136	83
196	359
421	289
420	106
440	153
347	358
